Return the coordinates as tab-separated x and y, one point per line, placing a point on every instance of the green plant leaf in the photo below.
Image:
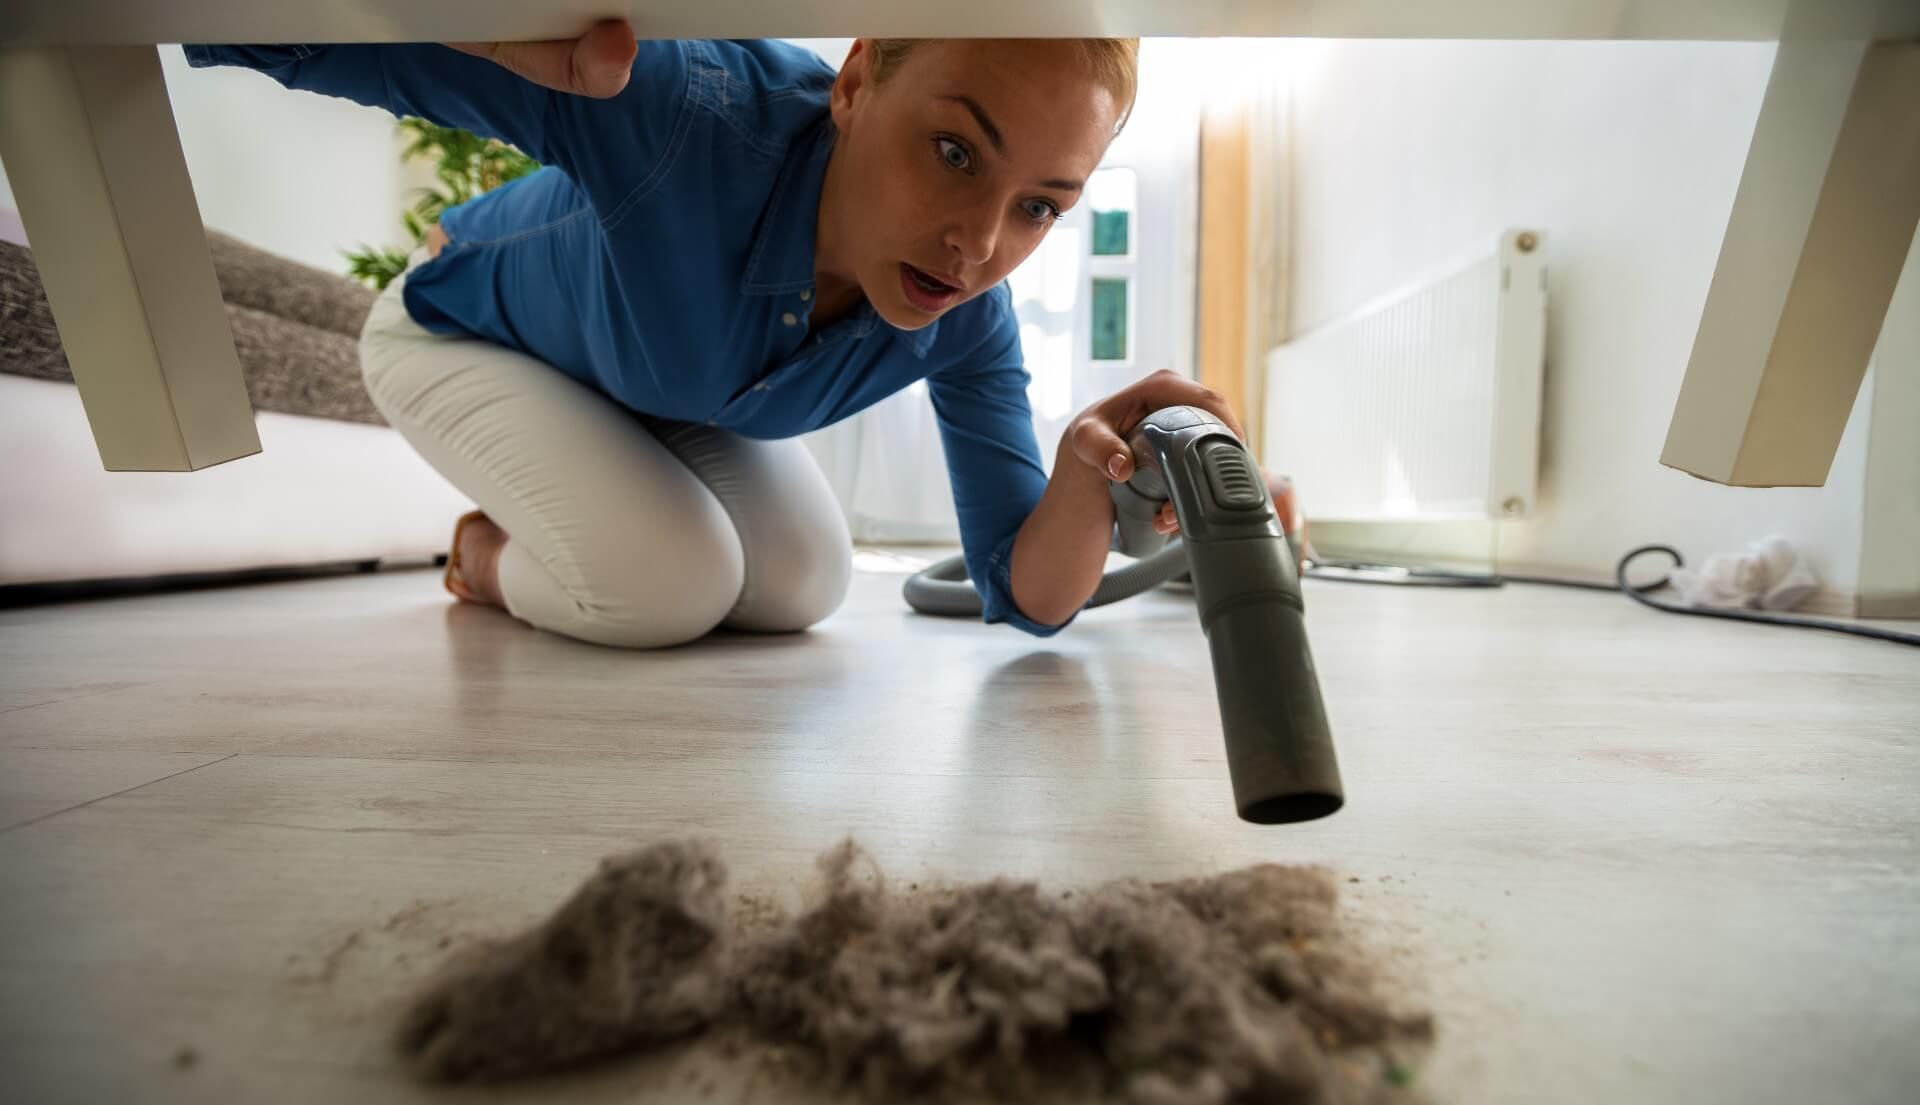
465	164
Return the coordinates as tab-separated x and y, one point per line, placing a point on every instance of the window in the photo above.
1113	196
1110	319
1110	233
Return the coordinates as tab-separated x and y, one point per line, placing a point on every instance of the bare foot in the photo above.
479	553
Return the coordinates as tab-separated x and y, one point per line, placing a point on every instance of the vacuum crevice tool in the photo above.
1246	582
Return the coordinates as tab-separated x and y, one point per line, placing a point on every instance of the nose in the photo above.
973	234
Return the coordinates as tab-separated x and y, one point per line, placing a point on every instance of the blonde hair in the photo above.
1114	62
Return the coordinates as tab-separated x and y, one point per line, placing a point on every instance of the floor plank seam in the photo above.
637	761
74	698
115	794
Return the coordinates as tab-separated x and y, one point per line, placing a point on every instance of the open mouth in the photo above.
929	293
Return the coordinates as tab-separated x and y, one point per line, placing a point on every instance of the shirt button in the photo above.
806	295
790	319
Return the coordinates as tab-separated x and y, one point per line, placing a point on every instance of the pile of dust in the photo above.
1237	988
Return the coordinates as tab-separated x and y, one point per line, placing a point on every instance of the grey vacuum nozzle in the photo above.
1247	585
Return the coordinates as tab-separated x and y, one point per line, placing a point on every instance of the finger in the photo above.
1096	443
596	64
1170	389
1217	405
548	64
603	58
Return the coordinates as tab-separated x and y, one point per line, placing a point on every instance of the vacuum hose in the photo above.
1247	585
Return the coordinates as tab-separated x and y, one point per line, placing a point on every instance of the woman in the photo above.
731	245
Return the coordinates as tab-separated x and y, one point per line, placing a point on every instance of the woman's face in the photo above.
949	173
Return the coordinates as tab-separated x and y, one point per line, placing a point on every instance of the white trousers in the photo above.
623	529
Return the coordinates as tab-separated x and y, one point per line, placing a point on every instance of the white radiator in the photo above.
1423	405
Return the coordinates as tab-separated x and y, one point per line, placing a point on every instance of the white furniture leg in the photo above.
88	138
1821	224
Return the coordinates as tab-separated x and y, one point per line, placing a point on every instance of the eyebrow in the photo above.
981	117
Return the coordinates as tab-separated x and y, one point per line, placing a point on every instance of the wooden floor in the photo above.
1633	857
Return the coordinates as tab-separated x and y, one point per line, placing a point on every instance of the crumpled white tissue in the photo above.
1770	575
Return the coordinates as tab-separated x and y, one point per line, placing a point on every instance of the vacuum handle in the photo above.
1133	515
1137	501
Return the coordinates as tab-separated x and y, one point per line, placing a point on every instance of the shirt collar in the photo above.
782	257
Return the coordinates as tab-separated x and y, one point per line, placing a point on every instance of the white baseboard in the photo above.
1829	603
1905	605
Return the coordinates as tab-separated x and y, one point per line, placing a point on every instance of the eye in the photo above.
954	154
1041	211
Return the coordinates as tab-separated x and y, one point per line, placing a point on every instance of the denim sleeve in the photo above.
993	462
609	147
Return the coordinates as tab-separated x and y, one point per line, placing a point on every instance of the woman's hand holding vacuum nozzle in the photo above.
1099	433
1099	438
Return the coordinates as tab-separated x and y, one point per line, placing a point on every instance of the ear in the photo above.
855	76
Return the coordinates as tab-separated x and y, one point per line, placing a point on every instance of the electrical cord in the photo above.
1355	572
1640	595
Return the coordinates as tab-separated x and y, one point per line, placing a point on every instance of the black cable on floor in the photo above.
1639	594
1355	572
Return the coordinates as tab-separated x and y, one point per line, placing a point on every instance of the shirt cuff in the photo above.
252	57
995	585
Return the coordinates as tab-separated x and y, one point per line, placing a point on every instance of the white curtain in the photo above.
1264	97
888	470
886	464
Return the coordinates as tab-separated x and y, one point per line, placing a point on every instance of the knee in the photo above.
670	590
797	580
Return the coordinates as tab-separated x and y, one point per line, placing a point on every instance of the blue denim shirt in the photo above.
665	257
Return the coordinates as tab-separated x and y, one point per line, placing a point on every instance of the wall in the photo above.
302	175
1627	156
1890	553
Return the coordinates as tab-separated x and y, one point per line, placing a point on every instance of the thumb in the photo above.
1096	443
603	58
596	64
